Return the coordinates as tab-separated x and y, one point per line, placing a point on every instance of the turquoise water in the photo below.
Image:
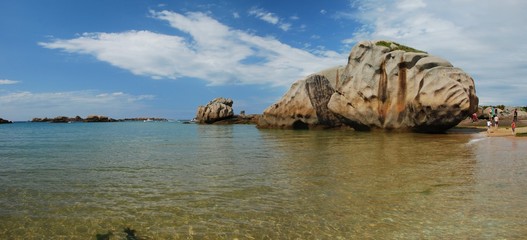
178	181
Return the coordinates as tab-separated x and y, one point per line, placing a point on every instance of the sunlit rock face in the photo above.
305	105
384	86
216	110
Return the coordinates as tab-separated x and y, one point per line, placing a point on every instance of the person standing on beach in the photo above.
491	113
496	119
488	125
491	116
513	126
515	119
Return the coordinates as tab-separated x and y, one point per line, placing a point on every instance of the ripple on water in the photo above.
172	180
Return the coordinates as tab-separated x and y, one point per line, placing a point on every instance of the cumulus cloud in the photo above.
206	49
485	40
27	105
7	82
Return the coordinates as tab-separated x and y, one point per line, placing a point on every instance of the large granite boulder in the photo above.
305	105
385	85
216	110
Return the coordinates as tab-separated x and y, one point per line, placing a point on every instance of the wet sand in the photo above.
506	132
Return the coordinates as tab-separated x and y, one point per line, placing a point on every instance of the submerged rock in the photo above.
384	86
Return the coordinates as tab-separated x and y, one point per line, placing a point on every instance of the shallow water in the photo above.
173	181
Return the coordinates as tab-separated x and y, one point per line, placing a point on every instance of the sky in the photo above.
160	58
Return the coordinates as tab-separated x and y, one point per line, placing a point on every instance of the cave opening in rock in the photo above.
298	124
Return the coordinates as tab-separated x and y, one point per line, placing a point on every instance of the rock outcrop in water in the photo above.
3	121
305	105
64	119
220	111
216	110
384	86
98	118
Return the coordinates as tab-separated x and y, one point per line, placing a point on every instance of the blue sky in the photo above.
135	58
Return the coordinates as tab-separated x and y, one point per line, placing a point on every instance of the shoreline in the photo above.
493	131
465	127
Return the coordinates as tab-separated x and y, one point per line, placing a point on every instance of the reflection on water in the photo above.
171	180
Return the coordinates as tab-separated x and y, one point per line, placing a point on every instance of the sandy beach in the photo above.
504	130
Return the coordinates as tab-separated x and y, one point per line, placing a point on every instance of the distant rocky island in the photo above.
3	121
93	118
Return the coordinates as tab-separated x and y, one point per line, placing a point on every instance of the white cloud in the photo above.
208	50
486	40
7	82
285	26
235	15
406	5
264	15
271	18
27	105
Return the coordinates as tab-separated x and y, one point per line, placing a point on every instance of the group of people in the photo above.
494	119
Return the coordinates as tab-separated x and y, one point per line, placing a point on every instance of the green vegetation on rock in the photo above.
396	46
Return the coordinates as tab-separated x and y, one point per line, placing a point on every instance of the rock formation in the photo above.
304	106
385	85
60	119
219	111
239	119
506	112
64	119
3	121
216	110
98	118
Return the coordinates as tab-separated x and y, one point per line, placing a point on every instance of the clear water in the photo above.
181	181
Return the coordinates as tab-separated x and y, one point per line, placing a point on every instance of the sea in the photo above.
169	180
